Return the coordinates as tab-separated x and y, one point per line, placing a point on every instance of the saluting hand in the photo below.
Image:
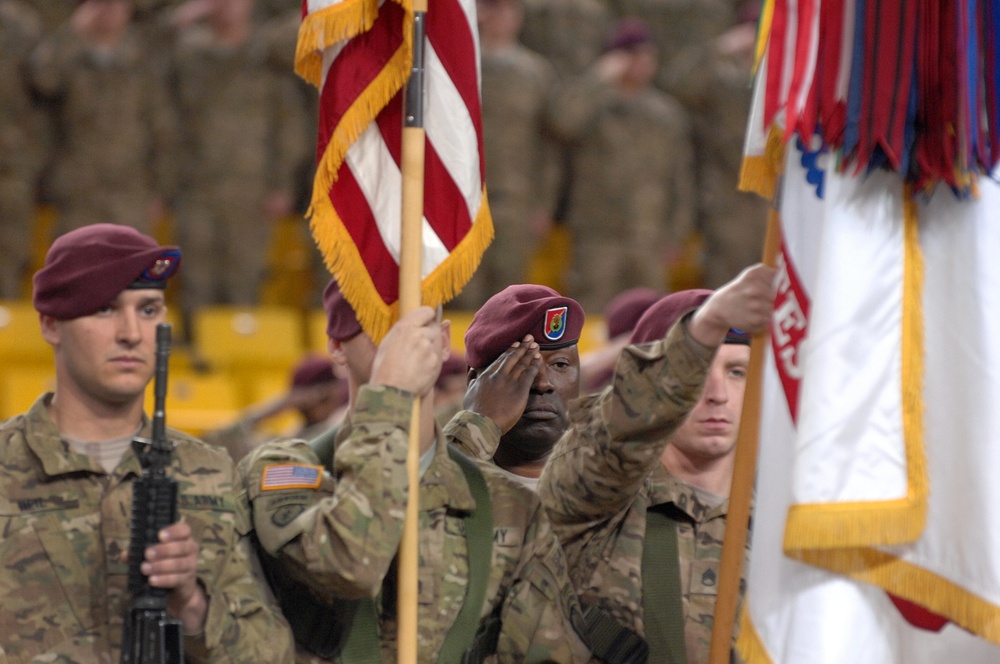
500	392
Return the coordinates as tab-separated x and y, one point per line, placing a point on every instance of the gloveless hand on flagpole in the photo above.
412	167
741	490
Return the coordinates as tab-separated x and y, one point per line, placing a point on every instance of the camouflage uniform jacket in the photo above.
342	538
66	522
606	471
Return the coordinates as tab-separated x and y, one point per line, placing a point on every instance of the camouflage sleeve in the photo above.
243	624
541	615
475	435
616	437
340	535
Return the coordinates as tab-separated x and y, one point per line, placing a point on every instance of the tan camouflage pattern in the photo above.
65	523
523	164
715	87
242	137
22	145
699	549
569	33
476	436
343	537
633	196
606	470
116	125
677	24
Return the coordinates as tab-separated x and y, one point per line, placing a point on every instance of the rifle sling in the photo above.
662	604
465	642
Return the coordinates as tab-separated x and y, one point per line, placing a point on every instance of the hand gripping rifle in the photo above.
150	635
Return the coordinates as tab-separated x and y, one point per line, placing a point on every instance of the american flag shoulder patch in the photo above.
290	476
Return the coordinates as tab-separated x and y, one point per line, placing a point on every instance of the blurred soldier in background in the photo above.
22	144
111	162
633	196
240	140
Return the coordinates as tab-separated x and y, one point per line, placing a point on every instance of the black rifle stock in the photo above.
150	635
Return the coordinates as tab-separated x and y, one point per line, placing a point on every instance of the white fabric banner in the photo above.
885	349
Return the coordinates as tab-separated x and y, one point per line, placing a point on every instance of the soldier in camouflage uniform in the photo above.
241	138
662	435
568	33
521	348
21	144
713	81
679	24
112	162
340	534
66	474
632	200
522	157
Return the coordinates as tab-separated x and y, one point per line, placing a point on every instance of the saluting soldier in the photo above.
493	583
637	489
67	469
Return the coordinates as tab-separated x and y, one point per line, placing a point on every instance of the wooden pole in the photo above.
410	276
744	470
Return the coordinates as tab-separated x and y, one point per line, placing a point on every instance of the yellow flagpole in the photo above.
410	277
741	491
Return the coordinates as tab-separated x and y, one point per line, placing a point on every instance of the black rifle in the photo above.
150	635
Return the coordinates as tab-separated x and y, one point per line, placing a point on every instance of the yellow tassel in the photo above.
964	608
448	278
749	644
760	173
899	521
327	27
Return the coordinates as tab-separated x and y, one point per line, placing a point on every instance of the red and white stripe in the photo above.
364	185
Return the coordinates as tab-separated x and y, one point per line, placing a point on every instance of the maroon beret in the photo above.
660	317
87	268
313	370
625	309
341	321
553	320
628	33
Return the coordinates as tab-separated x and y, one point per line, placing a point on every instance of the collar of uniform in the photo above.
42	437
665	488
444	484
57	457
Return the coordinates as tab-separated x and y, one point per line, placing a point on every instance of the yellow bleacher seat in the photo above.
594	334
262	386
21	340
197	403
249	338
460	321
316	331
20	386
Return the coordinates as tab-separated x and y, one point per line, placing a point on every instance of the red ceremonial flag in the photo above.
359	54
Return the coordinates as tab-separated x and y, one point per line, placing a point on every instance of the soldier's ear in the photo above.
446	338
50	329
336	350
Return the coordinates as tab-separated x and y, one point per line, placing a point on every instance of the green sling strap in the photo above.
465	642
662	605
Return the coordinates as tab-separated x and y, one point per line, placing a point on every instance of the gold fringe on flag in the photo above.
883	523
326	27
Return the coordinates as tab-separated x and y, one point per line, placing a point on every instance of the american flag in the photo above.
290	476
359	54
